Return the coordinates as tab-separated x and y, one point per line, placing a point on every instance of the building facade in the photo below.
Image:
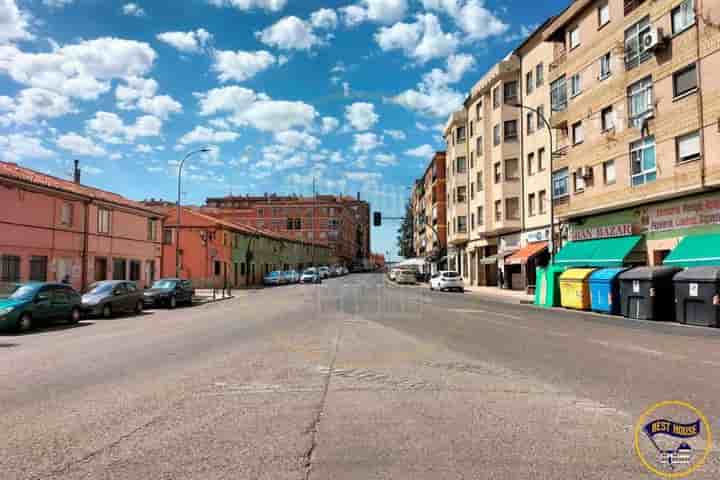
60	230
456	187
635	112
341	222
429	210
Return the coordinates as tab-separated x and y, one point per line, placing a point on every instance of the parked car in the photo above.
109	297
169	292
406	277
292	276
447	280
324	272
23	306
274	278
310	275
393	273
345	270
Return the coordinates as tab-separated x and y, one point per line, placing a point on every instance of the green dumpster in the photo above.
547	292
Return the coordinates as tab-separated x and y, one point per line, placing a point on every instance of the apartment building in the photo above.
429	205
635	108
341	221
457	182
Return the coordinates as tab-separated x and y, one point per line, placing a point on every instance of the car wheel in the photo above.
139	308
173	302
107	311
74	316
24	323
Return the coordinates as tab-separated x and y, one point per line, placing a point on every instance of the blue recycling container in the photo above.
605	290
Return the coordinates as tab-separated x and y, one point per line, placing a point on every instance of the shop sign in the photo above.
605	231
683	214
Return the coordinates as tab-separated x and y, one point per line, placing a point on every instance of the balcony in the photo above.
459	238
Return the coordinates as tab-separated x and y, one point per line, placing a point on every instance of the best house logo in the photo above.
672	439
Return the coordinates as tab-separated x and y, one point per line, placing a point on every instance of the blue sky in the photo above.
352	93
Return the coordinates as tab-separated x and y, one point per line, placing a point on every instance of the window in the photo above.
298	223
577	133
510	130
541	201
498	210
683	16
38	269
471	128
472	190
119	267
479	146
497	170
218	268
688	147
496	135
574	37
575	85
635	52
510	92
461	166
478	109
167	236
603	15
104	221
512	169
472	160
462	224
539	73
472	221
642	161
531	205
66	213
531	163
605	71
529	85
579	182
640	101
541	160
558	95
480	216
260	212
460	132
560	183
685	81
461	194
607	118
512	208
529	123
479	181
152	229
135	267
496	97
10	268
609	172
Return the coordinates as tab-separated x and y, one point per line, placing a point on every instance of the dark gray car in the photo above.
110	297
169	292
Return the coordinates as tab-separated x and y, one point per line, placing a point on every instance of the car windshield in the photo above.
100	288
24	292
309	271
451	275
165	284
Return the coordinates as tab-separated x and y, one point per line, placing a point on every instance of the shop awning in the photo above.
607	252
488	260
695	251
526	253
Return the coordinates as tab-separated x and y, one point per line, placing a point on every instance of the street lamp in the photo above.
552	213
177	242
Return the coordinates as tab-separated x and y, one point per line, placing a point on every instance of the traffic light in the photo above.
377	219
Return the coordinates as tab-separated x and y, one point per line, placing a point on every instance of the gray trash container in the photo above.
648	293
697	294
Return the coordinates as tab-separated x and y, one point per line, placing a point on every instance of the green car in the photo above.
25	306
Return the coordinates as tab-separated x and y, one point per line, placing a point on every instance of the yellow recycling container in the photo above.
575	288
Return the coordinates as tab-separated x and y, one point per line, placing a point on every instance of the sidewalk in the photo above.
205	295
511	296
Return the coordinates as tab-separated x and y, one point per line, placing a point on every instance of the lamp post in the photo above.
552	213
177	242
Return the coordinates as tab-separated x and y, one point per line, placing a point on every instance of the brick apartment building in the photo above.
429	211
341	221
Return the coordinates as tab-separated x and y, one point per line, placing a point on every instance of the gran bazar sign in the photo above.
605	231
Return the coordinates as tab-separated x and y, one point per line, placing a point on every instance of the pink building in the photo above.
53	230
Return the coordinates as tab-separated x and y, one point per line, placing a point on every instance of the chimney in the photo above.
76	172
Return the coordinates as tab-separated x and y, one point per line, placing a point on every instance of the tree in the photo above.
406	232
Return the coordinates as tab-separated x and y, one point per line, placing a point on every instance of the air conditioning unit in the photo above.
653	39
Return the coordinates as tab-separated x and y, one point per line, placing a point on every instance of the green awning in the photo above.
695	251
607	252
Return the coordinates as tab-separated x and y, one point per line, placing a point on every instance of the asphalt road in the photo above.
352	379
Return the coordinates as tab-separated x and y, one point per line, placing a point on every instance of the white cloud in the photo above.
325	18
361	115
245	5
278	158
365	142
297	140
381	11
422	40
15	147
423	151
385	159
33	103
220	123
202	134
161	106
395	134
363	176
457	66
329	124
110	128
133	10
116	156
187	42
478	22
240	65
421	126
57	3
83	70
139	93
346	89
142	148
79	145
13	22
289	33
247	108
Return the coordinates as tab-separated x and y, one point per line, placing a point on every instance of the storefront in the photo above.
507	245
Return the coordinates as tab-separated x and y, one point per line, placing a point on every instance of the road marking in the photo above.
499	314
637	349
